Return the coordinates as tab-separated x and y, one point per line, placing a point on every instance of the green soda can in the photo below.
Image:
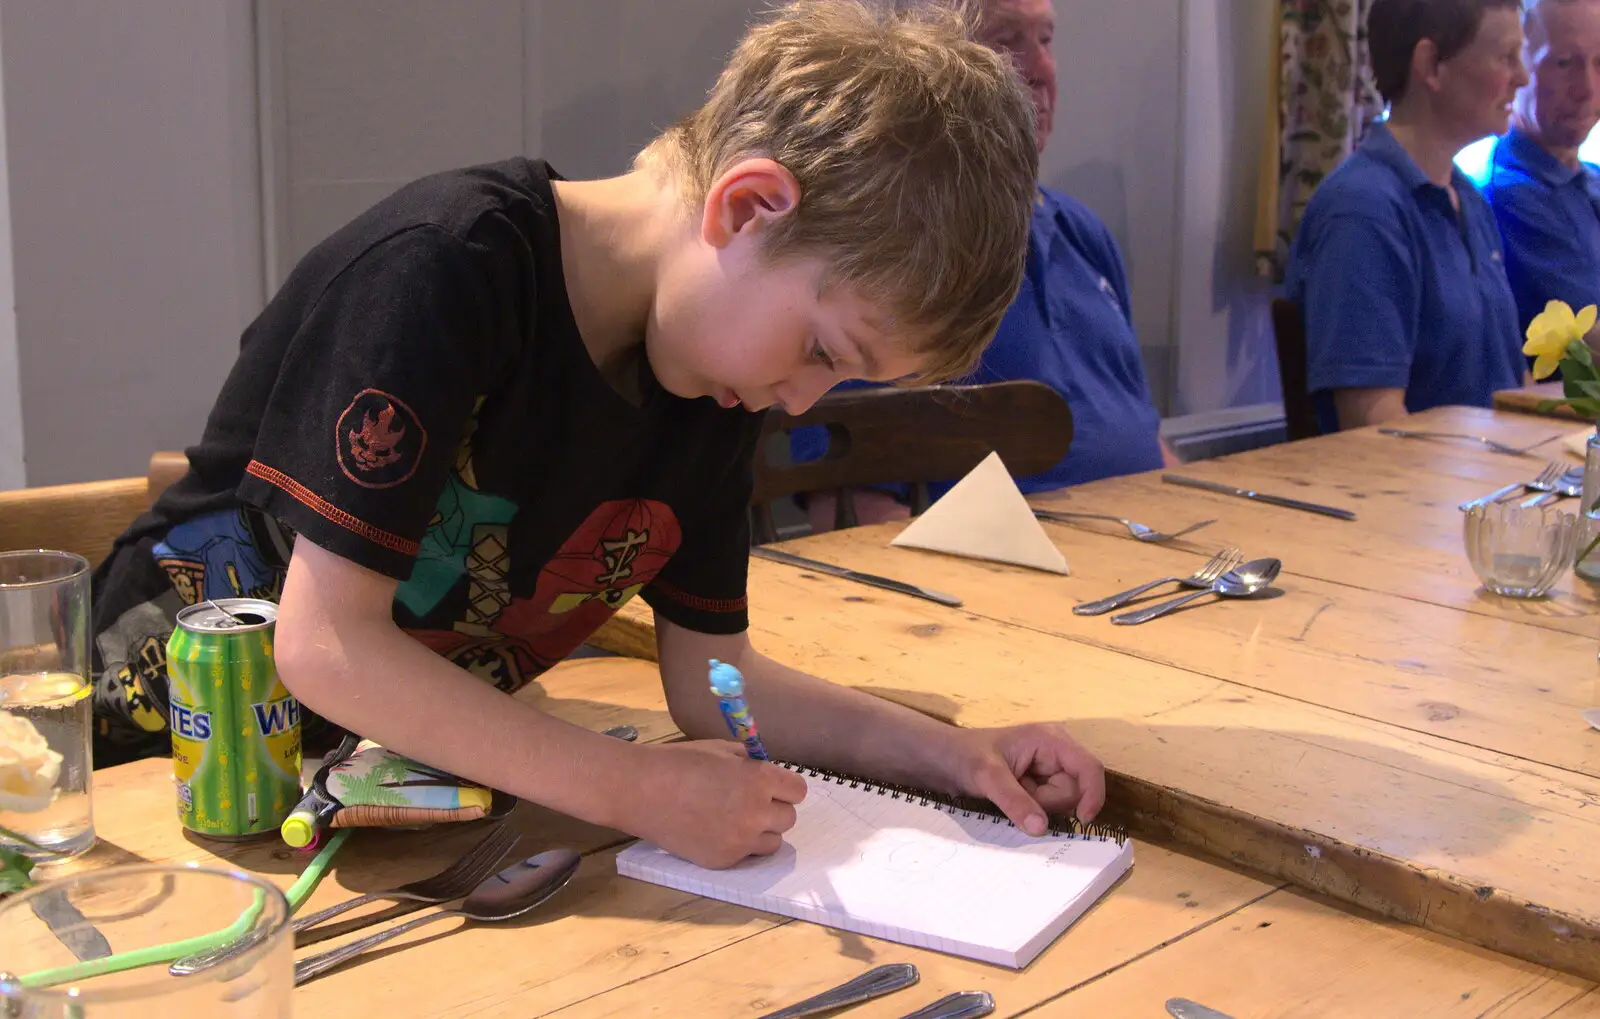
235	728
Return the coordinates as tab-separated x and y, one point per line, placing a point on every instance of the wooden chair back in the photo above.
84	518
1289	330
87	517
166	467
914	436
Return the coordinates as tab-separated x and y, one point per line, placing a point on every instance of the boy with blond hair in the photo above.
499	404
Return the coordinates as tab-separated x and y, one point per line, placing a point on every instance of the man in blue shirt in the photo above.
1397	266
1546	199
1071	325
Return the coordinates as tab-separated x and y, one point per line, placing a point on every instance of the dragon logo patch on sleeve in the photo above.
379	440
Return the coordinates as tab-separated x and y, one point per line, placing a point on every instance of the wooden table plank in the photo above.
1586	1007
1526	400
1382	657
598	693
603	932
1165	896
1461	840
136	819
599	933
606	939
1343	965
1407	540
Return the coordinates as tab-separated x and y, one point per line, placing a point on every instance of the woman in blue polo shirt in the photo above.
1397	267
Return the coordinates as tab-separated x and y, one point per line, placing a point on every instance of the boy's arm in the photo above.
338	651
811	721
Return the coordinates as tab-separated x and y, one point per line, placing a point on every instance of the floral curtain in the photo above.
1321	102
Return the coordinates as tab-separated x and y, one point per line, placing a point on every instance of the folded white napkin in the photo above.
1577	443
985	517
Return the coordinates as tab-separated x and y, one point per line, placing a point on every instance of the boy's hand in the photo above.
1030	771
709	803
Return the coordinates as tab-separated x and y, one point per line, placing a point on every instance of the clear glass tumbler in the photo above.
1520	551
46	710
130	923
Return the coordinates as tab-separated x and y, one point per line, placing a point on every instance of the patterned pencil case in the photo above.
364	785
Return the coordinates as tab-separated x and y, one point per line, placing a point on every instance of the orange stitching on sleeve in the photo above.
327	509
693	601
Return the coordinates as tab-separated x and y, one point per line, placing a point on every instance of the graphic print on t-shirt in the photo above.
379	439
232	553
506	641
468	536
612	555
225	555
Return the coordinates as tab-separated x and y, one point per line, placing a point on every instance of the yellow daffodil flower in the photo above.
1551	331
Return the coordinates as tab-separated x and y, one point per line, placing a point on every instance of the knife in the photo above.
1245	493
70	927
1183	1008
1495	496
887	584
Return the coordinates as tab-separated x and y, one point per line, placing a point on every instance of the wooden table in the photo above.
1382	732
1179	925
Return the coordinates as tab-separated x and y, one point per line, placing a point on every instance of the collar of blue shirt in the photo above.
1518	151
1382	145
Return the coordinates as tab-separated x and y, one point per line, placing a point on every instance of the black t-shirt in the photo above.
417	399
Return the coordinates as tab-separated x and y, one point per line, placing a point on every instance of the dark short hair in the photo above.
1394	27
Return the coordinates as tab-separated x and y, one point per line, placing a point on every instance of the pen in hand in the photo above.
728	685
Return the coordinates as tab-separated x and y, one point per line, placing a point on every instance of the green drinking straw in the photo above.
298	892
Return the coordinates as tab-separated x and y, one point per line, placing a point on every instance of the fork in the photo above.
1545	482
453	882
1567	483
1204	577
1136	529
1488	443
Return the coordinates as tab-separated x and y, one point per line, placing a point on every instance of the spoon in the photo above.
1240	582
518	889
960	1005
1592	716
874	983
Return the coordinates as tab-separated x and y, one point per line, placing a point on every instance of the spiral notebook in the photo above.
914	868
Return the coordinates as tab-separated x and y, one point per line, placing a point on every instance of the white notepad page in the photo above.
861	860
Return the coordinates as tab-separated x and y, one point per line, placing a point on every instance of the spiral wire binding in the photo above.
966	806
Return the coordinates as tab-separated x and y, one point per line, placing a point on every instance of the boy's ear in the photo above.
744	199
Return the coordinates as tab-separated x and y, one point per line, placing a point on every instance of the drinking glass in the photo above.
130	923
1520	551
46	710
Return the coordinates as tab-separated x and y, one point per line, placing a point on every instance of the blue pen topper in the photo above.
728	684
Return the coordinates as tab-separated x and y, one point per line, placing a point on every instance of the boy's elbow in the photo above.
304	664
691	720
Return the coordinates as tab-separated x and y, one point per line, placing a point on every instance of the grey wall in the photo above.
134	194
1223	309
12	471
1117	144
375	92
